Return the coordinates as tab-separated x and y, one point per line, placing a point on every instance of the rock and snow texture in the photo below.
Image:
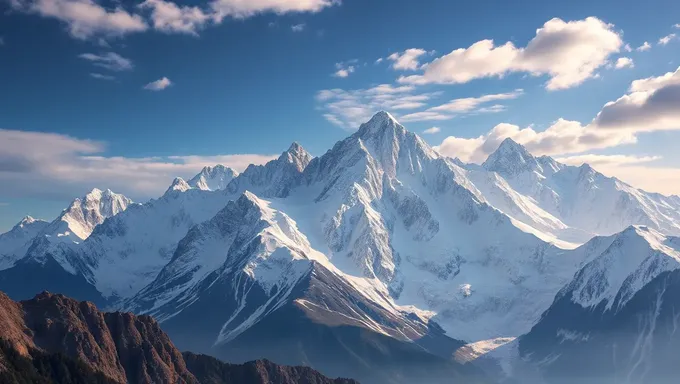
571	203
77	222
480	250
213	178
13	244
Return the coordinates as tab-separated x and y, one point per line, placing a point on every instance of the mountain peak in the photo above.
297	155
379	122
213	178
510	159
178	185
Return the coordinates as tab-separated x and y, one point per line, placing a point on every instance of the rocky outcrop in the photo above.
52	338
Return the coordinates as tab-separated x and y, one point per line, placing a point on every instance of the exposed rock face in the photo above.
52	338
123	347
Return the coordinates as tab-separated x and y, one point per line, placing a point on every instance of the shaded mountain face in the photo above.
618	319
52	338
13	244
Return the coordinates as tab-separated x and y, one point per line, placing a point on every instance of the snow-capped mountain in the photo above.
380	236
571	204
617	319
213	178
78	221
13	244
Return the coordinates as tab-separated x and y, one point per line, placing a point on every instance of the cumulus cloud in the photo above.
345	69
350	108
644	47
298	27
109	60
101	77
158	85
432	131
650	106
624	62
568	52
169	17
34	164
84	18
667	39
467	105
407	60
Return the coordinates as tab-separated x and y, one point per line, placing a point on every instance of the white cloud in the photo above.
467	105
379	60
603	160
101	77
627	48
158	85
84	18
407	60
43	164
168	17
345	69
624	62
568	52
109	60
676	26
244	9
667	39
350	108
298	27
344	72
644	47
650	106
432	131
87	18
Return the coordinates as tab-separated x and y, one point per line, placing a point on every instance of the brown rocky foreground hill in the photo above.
52	338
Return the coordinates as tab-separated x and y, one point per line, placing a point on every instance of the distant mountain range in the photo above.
381	260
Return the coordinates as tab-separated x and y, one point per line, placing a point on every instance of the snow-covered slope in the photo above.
78	221
213	178
402	241
617	319
13	244
570	203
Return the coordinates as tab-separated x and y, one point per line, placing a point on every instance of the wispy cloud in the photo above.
84	18
346	68
99	76
298	27
36	164
349	108
667	39
158	85
109	60
568	52
432	131
467	105
644	47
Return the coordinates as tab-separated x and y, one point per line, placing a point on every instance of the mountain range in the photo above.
381	260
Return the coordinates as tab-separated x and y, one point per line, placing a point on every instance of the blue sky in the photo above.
126	95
